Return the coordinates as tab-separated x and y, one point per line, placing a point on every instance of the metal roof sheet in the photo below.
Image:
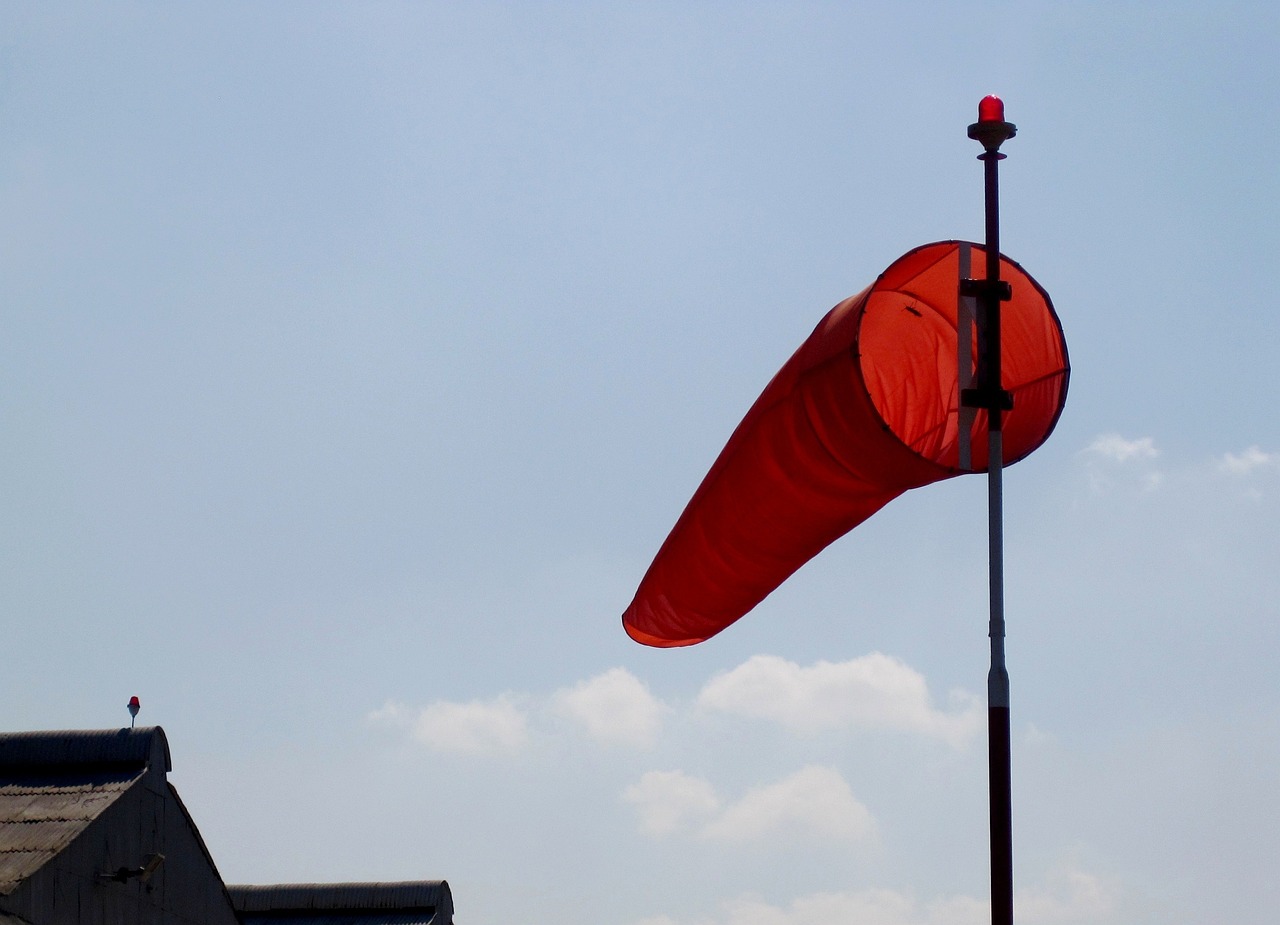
376	917
41	816
134	748
413	902
16	865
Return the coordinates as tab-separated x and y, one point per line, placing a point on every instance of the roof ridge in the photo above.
139	748
401	894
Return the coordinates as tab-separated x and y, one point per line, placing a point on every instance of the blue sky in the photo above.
356	359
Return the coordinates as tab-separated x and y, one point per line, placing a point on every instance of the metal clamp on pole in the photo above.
987	393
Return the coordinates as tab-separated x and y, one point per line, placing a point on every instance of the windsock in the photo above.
867	408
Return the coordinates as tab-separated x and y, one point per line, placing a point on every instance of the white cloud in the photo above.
814	801
668	801
474	727
1110	455
1118	449
875	691
616	708
1251	459
391	713
865	907
1113	462
1070	897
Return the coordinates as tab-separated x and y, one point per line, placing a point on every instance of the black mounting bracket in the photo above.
990	399
992	134
998	289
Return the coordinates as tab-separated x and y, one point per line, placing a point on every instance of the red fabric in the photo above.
866	409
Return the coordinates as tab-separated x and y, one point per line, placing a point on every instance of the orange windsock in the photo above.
866	409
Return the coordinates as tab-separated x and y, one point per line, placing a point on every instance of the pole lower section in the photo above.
999	762
1001	811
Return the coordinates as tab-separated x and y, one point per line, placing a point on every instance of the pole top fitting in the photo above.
991	129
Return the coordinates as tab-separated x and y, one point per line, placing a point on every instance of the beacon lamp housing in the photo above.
991	129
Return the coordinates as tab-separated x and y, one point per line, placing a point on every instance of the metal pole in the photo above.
992	131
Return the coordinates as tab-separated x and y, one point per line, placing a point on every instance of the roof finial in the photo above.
134	706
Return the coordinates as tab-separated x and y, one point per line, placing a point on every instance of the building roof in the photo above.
54	784
416	902
122	749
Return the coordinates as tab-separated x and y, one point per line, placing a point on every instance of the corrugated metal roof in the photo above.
16	866
76	747
376	917
414	902
42	814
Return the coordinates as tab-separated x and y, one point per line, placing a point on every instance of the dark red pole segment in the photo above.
992	130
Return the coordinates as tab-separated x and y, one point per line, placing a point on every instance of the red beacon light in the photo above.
991	109
991	129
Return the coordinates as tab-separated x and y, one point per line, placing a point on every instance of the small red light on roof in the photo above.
991	109
133	702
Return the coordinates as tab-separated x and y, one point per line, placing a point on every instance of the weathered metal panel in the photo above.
15	864
376	917
407	894
48	836
80	780
135	747
414	902
41	816
57	803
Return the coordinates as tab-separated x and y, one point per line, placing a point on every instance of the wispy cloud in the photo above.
875	691
668	801
864	907
474	727
615	708
1070	896
812	802
1114	459
1113	462
1251	459
1120	449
